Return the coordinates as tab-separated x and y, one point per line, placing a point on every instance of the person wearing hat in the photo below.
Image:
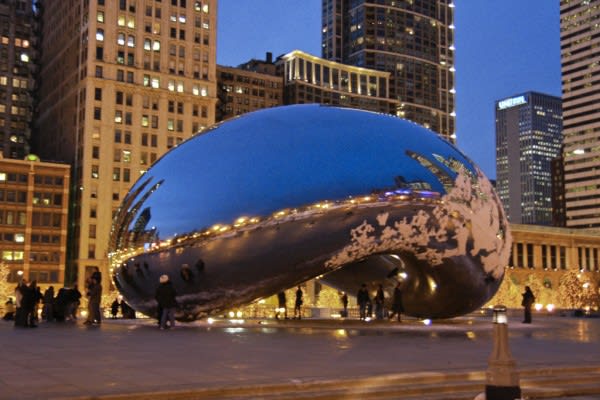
166	297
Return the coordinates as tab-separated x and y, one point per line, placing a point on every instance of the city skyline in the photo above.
500	51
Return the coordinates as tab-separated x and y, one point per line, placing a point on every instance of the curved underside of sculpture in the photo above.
274	198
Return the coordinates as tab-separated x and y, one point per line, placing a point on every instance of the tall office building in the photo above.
412	40
528	138
122	81
580	59
17	70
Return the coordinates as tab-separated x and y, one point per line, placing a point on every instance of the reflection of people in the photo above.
397	307
379	301
527	303
298	304
281	305
166	297
363	300
344	299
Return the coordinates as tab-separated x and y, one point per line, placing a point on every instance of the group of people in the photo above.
282	304
365	304
29	298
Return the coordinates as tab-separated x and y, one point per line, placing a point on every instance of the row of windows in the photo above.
40	276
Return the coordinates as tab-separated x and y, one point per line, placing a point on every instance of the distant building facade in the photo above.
580	59
528	138
34	200
241	90
412	40
18	29
310	79
122	83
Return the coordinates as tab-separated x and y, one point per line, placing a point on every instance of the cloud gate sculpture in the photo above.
277	197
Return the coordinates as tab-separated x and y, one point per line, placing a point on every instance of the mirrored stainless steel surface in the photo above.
276	197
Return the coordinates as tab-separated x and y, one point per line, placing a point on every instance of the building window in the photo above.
92	232
95	172
97	113
99	53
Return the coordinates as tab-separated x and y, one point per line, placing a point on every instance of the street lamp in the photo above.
502	378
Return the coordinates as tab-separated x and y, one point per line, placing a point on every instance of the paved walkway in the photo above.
73	360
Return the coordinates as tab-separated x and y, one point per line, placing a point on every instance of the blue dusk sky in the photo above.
503	48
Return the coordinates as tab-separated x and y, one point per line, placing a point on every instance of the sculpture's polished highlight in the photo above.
276	197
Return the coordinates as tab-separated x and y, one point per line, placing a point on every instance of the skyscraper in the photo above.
17	68
580	59
528	138
413	40
121	83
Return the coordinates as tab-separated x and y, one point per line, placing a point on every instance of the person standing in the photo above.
379	302
166	298
281	305
363	300
344	299
527	303
94	298
48	301
397	306
298	304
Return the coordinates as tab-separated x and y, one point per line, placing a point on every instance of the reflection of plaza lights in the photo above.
538	306
427	322
210	321
550	307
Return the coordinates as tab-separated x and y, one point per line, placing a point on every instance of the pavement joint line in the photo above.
472	378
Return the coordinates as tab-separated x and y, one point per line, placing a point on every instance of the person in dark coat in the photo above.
20	314
298	304
9	308
166	298
363	300
114	308
344	300
48	301
397	307
379	302
281	305
527	303
73	296
28	305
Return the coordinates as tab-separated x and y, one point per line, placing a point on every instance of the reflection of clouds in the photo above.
467	220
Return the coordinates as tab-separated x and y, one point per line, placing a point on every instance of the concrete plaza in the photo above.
122	358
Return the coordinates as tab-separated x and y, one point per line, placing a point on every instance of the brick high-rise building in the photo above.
122	81
580	59
412	40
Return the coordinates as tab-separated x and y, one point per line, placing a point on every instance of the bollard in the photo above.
502	378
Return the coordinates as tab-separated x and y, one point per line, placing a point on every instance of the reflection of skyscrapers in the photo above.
580	58
528	138
413	40
122	82
17	57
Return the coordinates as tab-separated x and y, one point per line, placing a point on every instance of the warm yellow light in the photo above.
210	321
471	335
550	307
231	314
538	306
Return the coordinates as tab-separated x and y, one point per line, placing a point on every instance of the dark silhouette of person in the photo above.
72	303
344	299
166	298
94	298
527	303
298	304
397	306
363	300
48	301
281	305
114	308
9	308
379	302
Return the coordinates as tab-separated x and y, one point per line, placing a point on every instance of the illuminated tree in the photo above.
5	287
579	290
329	298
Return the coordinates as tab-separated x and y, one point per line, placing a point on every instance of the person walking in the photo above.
166	298
527	303
363	300
281	305
379	302
298	304
397	307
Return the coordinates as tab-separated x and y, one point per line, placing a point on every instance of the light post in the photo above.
502	378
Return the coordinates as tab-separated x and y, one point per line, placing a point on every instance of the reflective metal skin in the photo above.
276	197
